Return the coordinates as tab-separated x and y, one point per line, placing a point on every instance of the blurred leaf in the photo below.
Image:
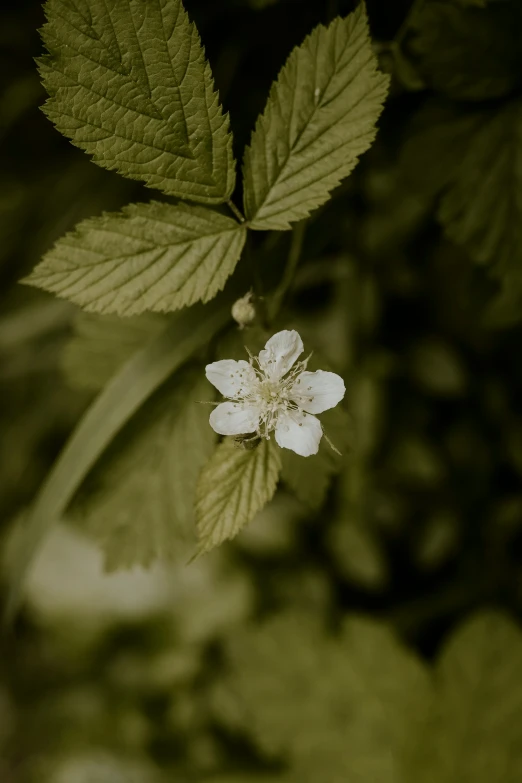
358	554
113	408
234	485
130	85
416	460
152	256
100	766
103	343
437	139
366	406
438	369
402	68
482	210
342	709
251	777
273	532
437	541
320	117
465	52
476	733
310	478
138	501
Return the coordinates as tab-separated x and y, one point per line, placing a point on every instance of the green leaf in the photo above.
339	709
101	344
310	478
129	84
436	142
320	117
482	208
234	485
110	411
473	158
465	52
153	256
476	734
251	777
438	368
358	553
138	502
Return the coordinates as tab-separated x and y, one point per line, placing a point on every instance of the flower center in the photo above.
270	392
273	396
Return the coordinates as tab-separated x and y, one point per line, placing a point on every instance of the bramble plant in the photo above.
283	543
129	83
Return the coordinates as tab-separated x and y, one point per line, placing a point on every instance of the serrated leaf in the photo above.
129	84
310	478
465	52
138	501
156	257
482	209
476	734
110	411
320	117
101	344
234	485
338	709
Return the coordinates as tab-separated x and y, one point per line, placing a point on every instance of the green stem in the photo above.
292	261
237	213
121	398
251	260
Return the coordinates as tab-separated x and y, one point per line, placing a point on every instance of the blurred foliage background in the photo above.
121	678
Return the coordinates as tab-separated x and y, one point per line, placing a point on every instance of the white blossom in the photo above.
274	393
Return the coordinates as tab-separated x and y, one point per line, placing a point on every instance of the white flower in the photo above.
272	393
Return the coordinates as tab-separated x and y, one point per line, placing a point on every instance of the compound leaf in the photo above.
129	83
138	502
320	117
155	257
234	485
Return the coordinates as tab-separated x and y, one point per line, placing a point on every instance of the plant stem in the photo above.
235	211
292	261
251	260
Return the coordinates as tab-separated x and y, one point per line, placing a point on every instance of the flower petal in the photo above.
230	377
318	391
300	432
280	353
234	418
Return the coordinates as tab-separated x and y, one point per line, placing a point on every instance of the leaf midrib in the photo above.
316	108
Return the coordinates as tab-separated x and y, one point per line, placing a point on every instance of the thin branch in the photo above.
236	212
294	254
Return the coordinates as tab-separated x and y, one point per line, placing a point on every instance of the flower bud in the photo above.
243	311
